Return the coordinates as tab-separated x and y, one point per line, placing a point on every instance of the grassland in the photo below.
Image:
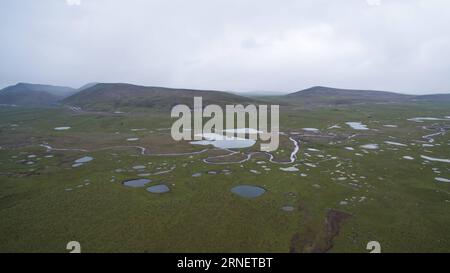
45	202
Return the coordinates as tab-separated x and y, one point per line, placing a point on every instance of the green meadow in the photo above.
342	196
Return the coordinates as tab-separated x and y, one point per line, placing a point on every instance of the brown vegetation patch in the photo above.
319	239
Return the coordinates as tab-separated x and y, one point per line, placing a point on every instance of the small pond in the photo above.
158	189
136	183
248	191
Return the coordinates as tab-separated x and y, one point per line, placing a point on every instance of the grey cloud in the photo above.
399	45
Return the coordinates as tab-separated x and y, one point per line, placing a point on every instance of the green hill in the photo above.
106	96
26	94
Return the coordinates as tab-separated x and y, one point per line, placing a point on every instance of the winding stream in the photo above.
143	151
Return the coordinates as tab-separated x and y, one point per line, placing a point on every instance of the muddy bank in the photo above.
314	240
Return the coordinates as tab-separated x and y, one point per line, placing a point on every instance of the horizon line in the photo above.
231	91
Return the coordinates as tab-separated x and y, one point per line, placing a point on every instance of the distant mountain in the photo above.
86	86
260	93
433	98
27	94
107	96
335	96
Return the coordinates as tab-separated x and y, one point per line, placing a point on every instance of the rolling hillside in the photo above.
335	96
26	94
106	96
433	98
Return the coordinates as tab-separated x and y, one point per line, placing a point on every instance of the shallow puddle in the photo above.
422	119
357	125
85	159
243	131
435	159
81	161
288	208
370	146
61	128
310	129
290	169
136	183
441	179
395	143
158	189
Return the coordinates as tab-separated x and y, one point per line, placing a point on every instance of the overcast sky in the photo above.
239	45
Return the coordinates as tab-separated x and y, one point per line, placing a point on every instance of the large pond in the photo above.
248	191
226	142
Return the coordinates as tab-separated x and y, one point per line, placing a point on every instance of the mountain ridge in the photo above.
115	95
330	95
105	96
28	94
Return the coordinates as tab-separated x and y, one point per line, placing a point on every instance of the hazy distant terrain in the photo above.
26	94
321	95
107	96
